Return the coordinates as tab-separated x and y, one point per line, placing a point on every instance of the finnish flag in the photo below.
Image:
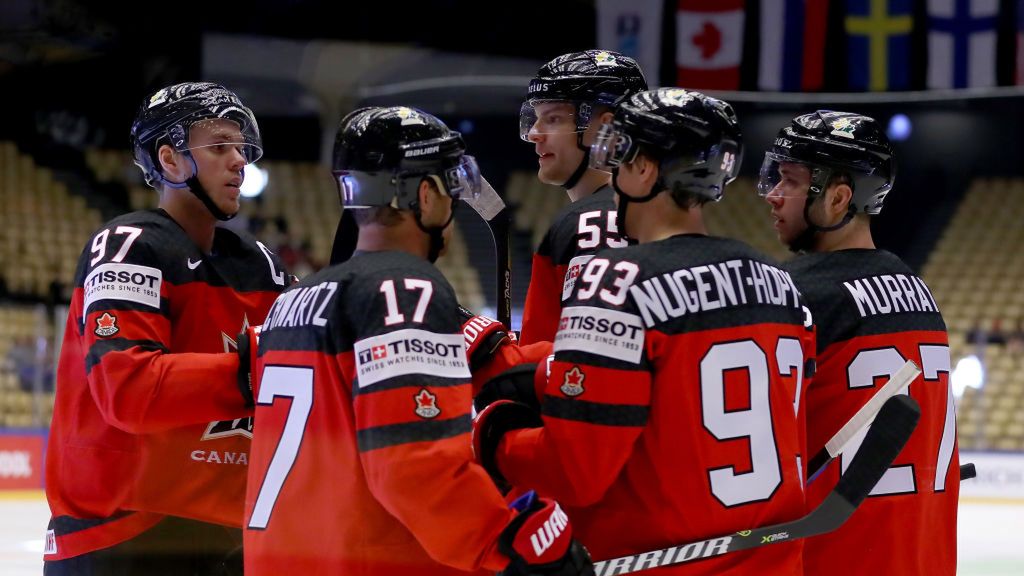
962	43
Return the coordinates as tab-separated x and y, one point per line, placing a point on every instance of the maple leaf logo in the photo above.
106	325
426	404
572	385
709	40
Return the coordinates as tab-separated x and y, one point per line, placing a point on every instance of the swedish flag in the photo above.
878	44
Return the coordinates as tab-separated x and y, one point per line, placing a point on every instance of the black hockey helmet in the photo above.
696	140
167	116
382	154
585	79
835	142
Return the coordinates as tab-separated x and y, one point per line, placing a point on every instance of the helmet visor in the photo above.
786	177
222	136
611	148
358	189
463	180
542	117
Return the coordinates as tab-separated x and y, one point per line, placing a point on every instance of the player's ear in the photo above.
171	163
429	194
649	170
838	199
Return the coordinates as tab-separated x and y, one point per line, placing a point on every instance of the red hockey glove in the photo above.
539	541
484	336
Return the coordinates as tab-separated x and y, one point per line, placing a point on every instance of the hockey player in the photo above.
147	454
671	405
567	102
825	176
361	460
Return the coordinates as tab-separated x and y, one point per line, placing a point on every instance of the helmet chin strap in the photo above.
581	169
804	242
625	200
434	233
193	184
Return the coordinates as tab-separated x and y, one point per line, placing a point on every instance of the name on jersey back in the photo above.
713	286
890	294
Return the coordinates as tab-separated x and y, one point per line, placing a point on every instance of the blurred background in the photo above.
943	75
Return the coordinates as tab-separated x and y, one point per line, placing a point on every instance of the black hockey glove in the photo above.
539	541
491	424
248	343
518	384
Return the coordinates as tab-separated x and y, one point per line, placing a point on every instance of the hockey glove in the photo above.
518	384
539	541
248	344
483	335
491	424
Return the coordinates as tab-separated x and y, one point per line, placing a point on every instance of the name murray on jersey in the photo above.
709	287
301	306
890	294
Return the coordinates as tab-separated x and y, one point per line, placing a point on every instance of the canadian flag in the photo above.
709	43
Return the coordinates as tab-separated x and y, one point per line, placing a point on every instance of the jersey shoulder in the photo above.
693	282
387	291
863	292
146	238
562	240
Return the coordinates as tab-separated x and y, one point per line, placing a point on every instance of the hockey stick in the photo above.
895	423
492	209
861	419
345	238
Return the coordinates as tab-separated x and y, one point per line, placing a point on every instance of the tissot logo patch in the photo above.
139	284
410	351
573	272
608	333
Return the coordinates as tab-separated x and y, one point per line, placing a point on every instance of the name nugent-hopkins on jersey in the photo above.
713	286
890	294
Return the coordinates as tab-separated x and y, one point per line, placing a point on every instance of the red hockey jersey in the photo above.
671	407
148	420
873	314
580	230
361	459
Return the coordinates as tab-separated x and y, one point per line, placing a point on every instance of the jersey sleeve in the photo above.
598	393
543	303
138	385
412	402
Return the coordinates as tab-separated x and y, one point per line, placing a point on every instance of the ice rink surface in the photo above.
991	535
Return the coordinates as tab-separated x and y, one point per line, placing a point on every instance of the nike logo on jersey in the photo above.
193	265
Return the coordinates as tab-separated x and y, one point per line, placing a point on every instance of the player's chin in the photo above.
231	205
549	176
